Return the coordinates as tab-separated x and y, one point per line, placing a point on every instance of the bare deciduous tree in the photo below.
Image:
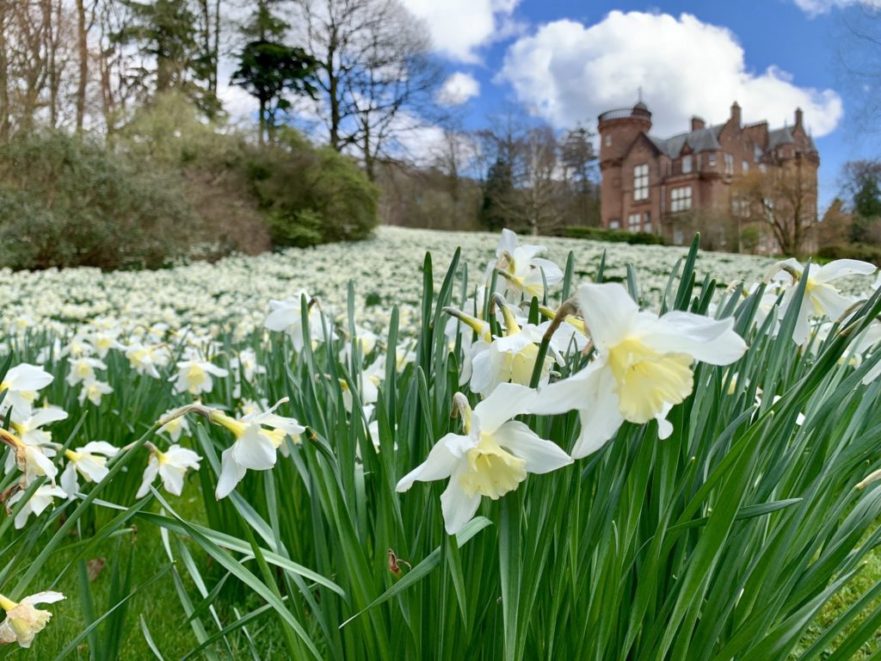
375	75
783	200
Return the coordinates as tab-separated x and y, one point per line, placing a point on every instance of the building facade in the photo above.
669	185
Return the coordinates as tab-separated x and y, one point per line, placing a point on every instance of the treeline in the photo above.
851	226
519	175
116	149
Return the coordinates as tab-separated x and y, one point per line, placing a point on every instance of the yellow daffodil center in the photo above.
491	470
811	293
173	425
647	379
196	376
27	621
275	436
518	366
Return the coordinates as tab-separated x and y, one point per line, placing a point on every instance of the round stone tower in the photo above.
619	128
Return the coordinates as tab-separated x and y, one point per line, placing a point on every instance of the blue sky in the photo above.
565	60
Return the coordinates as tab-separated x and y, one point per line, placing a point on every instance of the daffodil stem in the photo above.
539	361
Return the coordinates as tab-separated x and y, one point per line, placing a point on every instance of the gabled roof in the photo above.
780	136
706	139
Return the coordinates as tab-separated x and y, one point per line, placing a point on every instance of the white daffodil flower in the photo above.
175	428
366	341
32	460
43	497
821	298
246	363
171	466
21	384
90	461
255	446
30	433
491	457
29	429
643	365
285	316
508	359
470	325
369	385
23	622
144	359
520	269
82	370
94	392
105	340
194	376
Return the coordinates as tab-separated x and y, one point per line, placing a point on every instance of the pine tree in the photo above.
497	196
165	30
269	69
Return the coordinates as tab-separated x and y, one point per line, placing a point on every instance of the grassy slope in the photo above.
159	606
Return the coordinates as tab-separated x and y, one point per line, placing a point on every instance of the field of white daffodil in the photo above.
498	450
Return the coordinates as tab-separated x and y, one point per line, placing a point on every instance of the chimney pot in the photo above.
697	123
735	113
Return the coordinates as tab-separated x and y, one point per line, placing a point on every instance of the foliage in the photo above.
724	540
862	251
166	30
863	182
499	188
312	193
613	236
268	68
293	192
68	202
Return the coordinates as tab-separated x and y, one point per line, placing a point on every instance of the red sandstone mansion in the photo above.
653	184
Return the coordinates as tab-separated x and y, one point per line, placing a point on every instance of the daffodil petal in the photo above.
541	456
607	310
439	464
458	507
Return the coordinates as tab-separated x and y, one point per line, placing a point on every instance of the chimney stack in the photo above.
799	116
697	123
735	113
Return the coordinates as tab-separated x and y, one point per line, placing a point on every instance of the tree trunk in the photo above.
83	48
5	121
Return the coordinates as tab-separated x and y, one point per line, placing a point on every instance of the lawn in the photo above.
673	483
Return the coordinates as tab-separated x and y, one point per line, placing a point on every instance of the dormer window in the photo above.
641	182
686	164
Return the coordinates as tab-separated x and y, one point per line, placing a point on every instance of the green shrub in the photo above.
613	236
292	192
867	253
300	229
71	202
319	192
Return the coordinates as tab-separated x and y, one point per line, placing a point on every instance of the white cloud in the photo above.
458	89
459	27
815	7
567	72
